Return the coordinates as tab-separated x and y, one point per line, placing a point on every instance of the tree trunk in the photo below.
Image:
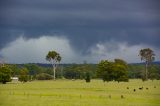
146	71
54	72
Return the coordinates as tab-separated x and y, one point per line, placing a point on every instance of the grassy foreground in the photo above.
80	93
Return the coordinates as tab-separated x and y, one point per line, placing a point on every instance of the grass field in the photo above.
80	93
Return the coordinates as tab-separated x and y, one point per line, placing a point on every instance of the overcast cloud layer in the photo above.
79	29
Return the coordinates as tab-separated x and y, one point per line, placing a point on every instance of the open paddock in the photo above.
80	93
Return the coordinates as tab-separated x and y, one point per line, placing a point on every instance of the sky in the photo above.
80	30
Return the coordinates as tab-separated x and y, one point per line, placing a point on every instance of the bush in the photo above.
23	78
44	76
5	74
88	79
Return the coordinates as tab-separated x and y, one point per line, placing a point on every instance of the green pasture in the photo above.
80	93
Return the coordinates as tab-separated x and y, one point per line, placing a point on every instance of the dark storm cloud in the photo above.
84	22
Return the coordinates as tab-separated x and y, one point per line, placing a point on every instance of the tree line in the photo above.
76	71
117	70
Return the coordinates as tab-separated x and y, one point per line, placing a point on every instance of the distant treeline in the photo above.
78	71
137	71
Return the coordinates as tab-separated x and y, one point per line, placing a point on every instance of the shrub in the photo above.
88	79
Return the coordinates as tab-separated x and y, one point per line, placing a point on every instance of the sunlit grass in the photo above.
80	93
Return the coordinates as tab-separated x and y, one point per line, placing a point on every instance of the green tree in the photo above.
72	72
105	70
148	56
33	69
109	71
78	71
5	74
135	70
121	70
54	58
120	73
121	62
23	77
15	70
153	72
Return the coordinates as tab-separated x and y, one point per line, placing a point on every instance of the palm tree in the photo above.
148	56
54	58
